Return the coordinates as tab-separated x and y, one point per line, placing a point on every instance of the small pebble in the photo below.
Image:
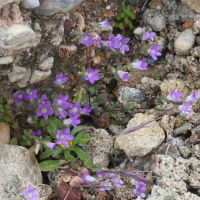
107	7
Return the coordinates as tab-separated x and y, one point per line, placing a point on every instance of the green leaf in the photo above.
6	118
133	16
71	147
43	122
77	138
117	24
24	137
1	109
19	113
126	20
95	168
82	77
7	106
51	129
57	151
25	132
128	8
54	96
14	141
46	154
35	126
157	111
130	25
1	101
122	15
114	107
143	105
113	114
68	156
15	125
8	112
77	129
55	122
85	96
121	25
96	102
66	93
129	106
29	142
118	17
49	165
23	143
93	88
83	156
85	138
124	8
107	107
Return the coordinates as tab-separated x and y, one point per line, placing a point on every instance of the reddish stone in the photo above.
68	24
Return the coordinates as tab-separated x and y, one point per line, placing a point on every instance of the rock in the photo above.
30	106
46	64
30	4
39	75
4	133
5	2
188	24
44	191
182	129
143	141
127	95
175	141
18	169
197	51
196	27
67	51
154	19
198	40
153	62
184	42
185	13
17	74
24	81
139	33
167	123
51	7
57	36
115	128
195	135
193	4
185	151
6	60
194	178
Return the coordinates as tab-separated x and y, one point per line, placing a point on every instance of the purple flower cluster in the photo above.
20	96
30	194
140	188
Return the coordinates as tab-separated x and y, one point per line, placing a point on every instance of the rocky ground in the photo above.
37	42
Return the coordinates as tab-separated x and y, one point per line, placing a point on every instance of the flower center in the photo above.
31	93
44	110
120	43
89	75
62	137
105	184
100	176
153	51
115	180
59	81
85	38
60	111
19	96
29	195
74	110
59	102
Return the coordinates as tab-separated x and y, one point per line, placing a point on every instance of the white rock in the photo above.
39	75
24	81
5	2
17	74
29	4
142	141
115	128
46	64
139	33
6	60
18	169
184	42
4	133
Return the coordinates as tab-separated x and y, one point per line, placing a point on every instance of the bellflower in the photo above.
61	113
88	178
44	102
86	110
153	52
140	65
19	96
104	24
122	44
51	146
45	111
116	180
30	194
186	107
32	94
75	108
112	42
134	182
72	120
148	35
87	39
100	175
191	97
123	75
38	133
140	188
99	42
106	184
60	80
64	137
174	95
92	75
61	101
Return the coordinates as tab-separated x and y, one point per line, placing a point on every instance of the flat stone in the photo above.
182	129
6	60
39	75
4	133
17	74
29	4
46	64
24	81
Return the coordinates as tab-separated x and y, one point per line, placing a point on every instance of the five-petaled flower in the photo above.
100	175
104	24
140	65
186	107
154	51
87	39
140	188
32	94
122	43
61	101
148	35
44	102
106	185
75	108
62	113
45	111
30	194
60	80
51	146
123	75
92	75
99	42
112	42
73	120
19	96
86	110
174	95
64	137
191	97
116	180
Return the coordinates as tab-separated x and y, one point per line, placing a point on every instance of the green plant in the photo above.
125	18
114	158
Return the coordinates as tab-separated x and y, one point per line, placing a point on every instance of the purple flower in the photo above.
122	43
75	108
51	146
19	96
44	102
92	75
186	107
148	35
30	194
153	52
116	180
86	110
174	95
140	65
61	113
64	137
140	188
100	175
88	178
32	94
104	24
38	133
106	184
134	182
123	75
112	42
87	39
191	97
60	80
45	111
72	120
61	101
99	42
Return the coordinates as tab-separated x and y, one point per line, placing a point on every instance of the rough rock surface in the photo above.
39	75
4	133
193	4
143	141
29	4
18	169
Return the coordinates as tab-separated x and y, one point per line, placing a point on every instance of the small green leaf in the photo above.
85	138
7	106
66	93
46	154
85	96
117	24
68	156
107	107
126	20
133	16
157	111
49	165
113	114
114	107
14	141
15	125
55	122
71	147
121	25
8	112
1	109
6	118
128	8
118	17
25	132
93	88
1	101
130	25
19	113
29	142
143	105
122	15
95	168
43	122
77	138
24	137
54	96
57	151
23	143
77	129
35	126
51	129
96	102
124	8
82	77
129	106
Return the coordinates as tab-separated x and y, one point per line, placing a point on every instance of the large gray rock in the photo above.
4	133
51	7
18	169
